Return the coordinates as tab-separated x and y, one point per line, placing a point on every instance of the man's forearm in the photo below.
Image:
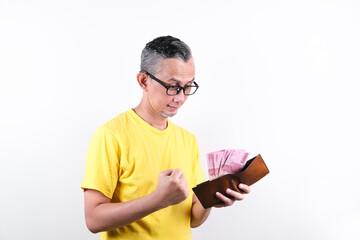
106	216
102	215
198	213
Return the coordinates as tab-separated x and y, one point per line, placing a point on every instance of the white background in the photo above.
276	78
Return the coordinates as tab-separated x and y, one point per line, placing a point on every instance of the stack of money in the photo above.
225	161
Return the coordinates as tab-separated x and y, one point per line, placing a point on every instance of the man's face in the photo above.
173	72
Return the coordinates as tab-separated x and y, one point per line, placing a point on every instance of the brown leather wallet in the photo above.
253	171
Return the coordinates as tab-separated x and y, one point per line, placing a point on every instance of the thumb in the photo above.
167	172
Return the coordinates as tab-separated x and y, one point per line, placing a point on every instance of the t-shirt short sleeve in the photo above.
102	162
198	174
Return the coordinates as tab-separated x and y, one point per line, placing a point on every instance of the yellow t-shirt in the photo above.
124	159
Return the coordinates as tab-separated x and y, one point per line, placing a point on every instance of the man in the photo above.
140	167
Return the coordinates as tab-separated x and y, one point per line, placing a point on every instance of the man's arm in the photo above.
200	214
102	215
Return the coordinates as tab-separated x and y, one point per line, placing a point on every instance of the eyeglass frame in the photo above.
179	88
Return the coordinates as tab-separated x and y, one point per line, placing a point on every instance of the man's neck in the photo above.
155	119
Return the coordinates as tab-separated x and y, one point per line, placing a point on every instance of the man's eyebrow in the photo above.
178	81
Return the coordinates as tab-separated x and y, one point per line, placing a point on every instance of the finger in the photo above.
183	182
235	195
176	173
227	201
182	177
167	172
245	188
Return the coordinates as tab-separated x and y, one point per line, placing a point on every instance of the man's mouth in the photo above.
173	107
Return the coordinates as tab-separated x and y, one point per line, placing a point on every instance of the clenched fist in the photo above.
172	187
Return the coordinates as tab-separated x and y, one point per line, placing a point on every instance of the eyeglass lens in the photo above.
188	90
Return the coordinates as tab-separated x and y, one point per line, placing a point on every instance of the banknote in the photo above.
225	161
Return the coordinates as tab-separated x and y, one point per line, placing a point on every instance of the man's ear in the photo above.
143	81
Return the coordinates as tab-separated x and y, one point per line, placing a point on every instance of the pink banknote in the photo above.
225	161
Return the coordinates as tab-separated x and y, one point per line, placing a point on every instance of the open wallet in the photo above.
253	171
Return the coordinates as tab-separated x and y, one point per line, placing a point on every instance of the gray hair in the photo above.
161	48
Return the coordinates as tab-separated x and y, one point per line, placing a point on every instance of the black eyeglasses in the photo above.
174	90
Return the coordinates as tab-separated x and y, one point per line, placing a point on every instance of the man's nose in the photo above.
180	97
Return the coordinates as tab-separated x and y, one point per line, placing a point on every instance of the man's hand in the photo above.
199	214
236	196
172	187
